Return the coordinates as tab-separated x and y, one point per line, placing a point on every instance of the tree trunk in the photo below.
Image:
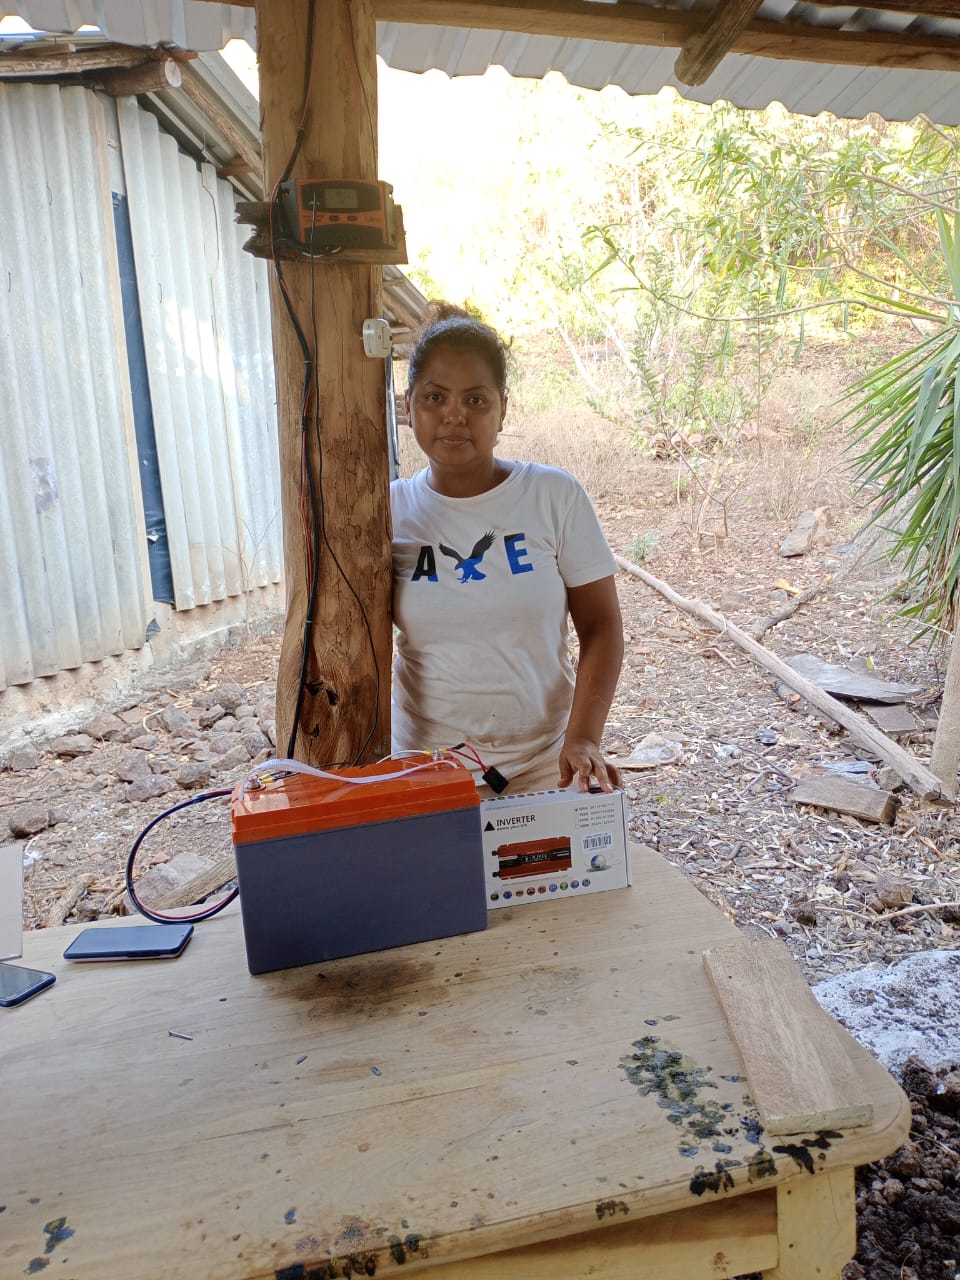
945	757
345	710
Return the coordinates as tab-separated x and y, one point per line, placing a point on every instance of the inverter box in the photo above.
553	844
359	860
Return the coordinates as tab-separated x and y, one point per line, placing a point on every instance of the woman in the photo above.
489	559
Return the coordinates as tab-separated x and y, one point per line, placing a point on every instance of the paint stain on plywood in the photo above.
356	1250
681	1089
804	1152
690	1095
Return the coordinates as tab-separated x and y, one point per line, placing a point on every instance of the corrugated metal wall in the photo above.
74	580
72	572
206	325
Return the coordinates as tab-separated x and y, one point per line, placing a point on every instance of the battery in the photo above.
327	867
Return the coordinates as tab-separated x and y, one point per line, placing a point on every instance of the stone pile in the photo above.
203	740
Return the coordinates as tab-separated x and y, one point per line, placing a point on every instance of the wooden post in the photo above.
945	755
345	710
816	1226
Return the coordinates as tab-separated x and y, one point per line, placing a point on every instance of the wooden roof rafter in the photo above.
703	51
643	25
702	37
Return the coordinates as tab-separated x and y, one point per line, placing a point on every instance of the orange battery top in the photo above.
301	803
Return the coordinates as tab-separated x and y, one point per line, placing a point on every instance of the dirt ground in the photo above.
841	892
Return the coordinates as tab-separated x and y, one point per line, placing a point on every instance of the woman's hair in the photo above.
450	326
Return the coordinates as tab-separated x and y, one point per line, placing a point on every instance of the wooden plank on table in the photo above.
795	1057
895	718
840	794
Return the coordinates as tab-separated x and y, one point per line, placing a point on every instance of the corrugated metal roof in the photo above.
183	23
210	369
804	87
744	80
72	563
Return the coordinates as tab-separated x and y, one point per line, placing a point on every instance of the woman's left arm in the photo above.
595	613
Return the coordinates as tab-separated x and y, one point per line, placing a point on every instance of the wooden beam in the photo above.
703	52
146	77
67	61
724	1238
236	168
926	9
246	149
638	24
333	457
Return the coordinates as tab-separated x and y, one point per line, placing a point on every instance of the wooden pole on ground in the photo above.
345	709
945	756
916	775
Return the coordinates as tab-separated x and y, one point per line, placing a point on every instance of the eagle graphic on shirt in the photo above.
467	566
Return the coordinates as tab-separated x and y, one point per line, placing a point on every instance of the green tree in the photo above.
756	226
906	419
862	219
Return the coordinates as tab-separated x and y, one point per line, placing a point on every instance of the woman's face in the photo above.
456	411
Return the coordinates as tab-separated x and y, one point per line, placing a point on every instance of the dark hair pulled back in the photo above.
451	326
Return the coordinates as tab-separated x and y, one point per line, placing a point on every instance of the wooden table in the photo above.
557	1096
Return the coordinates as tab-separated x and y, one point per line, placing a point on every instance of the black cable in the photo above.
308	375
315	491
326	541
305	96
308	372
311	603
158	916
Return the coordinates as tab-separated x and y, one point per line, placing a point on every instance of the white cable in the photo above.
297	766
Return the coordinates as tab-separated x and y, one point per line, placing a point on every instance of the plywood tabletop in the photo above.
563	1071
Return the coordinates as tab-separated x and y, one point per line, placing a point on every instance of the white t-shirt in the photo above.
480	600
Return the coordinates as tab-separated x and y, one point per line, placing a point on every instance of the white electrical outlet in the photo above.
377	339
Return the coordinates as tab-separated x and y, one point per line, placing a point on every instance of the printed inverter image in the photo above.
533	858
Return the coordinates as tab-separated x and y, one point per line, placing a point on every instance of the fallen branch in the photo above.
67	901
222	872
916	909
916	775
116	903
787	610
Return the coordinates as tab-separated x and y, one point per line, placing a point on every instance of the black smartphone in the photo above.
133	942
18	984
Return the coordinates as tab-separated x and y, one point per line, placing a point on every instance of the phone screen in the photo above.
135	942
18	984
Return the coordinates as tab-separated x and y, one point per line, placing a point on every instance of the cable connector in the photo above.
495	780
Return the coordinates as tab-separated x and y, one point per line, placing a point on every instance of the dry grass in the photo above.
790	459
792	477
600	454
